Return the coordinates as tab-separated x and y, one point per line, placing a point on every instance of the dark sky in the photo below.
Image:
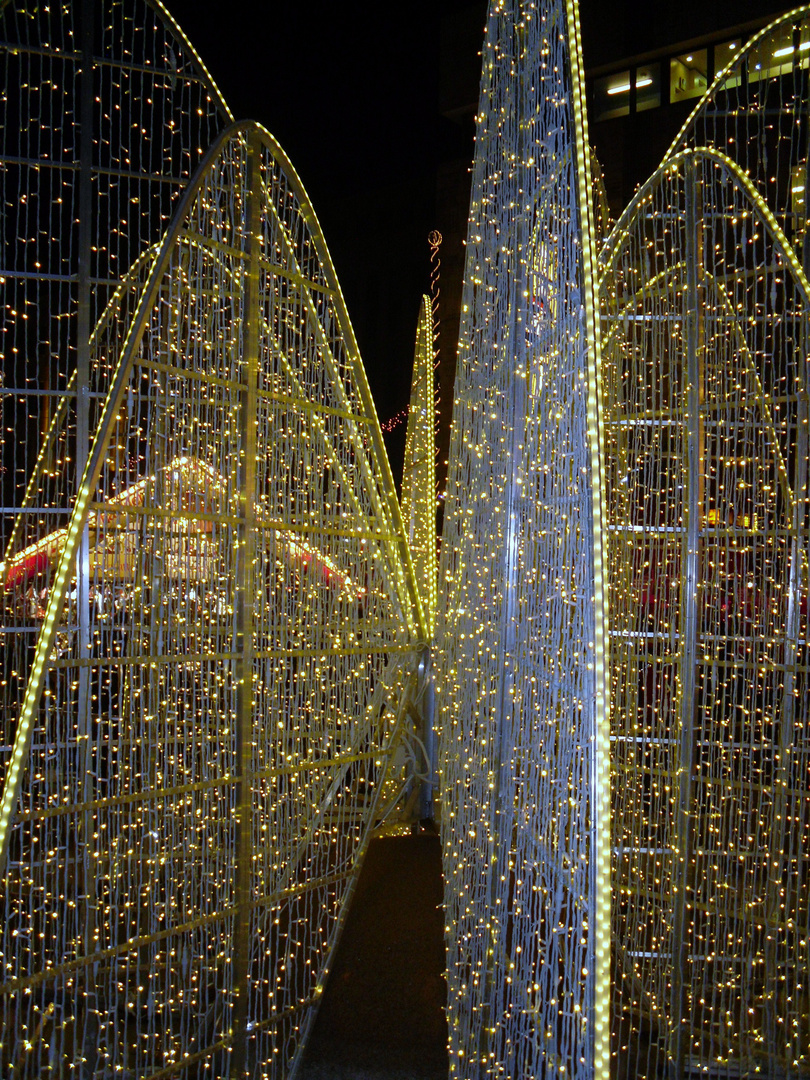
350	90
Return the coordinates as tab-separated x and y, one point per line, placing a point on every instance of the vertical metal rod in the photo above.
85	14
245	618
781	830
690	567
427	713
500	837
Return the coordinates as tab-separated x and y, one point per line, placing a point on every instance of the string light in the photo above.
419	468
705	306
520	638
209	681
210	653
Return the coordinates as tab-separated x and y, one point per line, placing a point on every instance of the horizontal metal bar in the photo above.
269	525
148	69
64	279
278	1018
645	318
36	50
141	797
163	513
648	530
643	740
95	170
644	420
25	391
50	973
155	794
323	530
643	851
128	174
303	887
189	1059
28	982
185	659
197	240
304	404
36	511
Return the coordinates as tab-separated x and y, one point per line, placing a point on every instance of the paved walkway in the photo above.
382	1015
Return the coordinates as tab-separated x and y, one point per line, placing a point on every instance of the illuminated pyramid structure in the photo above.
419	469
203	778
702	405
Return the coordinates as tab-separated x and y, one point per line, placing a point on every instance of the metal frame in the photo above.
705	391
260	646
522	691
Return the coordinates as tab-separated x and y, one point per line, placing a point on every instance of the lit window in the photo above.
724	54
785	48
612	92
688	75
648	87
611	96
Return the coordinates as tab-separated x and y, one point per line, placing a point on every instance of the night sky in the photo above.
350	90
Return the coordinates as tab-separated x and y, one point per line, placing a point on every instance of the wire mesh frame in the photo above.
705	308
524	750
756	111
194	831
106	112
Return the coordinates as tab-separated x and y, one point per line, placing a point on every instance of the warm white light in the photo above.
788	49
624	87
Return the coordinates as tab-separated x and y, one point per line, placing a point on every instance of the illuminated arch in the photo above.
757	111
203	804
106	113
524	748
705	308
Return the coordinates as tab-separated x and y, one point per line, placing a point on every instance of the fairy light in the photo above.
705	270
519	637
393	422
119	794
119	797
419	470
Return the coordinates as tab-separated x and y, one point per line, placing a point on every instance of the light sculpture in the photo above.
419	469
419	521
704	301
215	674
705	310
522	715
107	111
181	842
